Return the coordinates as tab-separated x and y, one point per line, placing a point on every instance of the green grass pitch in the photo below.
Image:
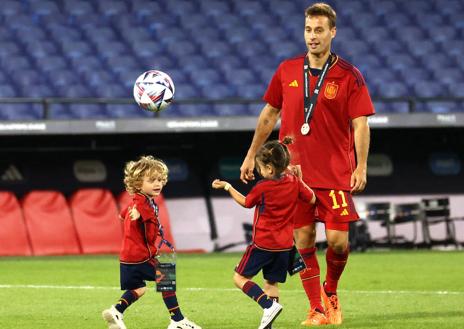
401	289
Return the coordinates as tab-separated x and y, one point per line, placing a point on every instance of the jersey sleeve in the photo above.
359	102
253	197
305	193
273	95
146	211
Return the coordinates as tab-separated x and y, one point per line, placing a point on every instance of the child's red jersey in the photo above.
138	244
275	201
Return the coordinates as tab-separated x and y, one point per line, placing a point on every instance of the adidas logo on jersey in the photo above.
344	213
294	83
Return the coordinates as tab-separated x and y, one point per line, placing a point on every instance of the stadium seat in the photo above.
13	233
124	200
437	211
95	215
21	112
49	223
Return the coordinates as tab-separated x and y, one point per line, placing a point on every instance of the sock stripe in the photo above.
261	296
311	277
172	309
168	294
123	300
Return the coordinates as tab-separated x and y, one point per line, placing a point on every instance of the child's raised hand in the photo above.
218	184
134	213
295	170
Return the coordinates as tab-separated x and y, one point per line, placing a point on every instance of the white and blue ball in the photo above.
154	90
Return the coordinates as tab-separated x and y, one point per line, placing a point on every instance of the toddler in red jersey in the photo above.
144	179
274	198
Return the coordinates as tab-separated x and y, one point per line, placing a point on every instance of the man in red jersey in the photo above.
323	103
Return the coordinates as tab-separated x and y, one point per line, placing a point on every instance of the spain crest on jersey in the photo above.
330	90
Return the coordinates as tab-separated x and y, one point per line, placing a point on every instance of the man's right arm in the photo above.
266	123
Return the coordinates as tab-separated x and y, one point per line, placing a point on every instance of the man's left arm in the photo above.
361	144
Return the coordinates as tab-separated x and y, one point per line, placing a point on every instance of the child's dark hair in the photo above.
275	153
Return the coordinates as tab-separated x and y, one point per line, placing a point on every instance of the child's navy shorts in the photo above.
133	276
273	263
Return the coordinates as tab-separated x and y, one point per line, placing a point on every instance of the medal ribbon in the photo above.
310	102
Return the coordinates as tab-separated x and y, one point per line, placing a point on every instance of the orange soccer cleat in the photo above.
315	318
333	310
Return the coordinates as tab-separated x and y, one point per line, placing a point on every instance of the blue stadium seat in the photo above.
182	48
410	34
440	107
11	8
40	49
216	49
192	110
12	64
421	47
401	62
443	33
27	78
21	111
74	90
146	10
78	8
230	109
113	90
429	89
181	5
38	91
111	49
206	77
251	91
186	91
44	8
215	8
7	91
72	49
112	8
457	90
100	35
218	91
387	107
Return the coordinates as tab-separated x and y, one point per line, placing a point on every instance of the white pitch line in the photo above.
363	292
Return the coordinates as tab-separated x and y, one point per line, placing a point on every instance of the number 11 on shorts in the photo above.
333	195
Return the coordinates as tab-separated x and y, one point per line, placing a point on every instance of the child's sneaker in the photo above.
269	315
113	318
183	324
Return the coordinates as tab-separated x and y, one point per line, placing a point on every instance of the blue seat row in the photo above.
219	49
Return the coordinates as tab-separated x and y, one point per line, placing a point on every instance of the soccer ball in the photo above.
153	90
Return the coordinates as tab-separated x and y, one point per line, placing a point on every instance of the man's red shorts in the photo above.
334	208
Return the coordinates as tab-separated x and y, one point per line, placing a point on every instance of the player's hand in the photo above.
246	170
358	180
295	170
218	184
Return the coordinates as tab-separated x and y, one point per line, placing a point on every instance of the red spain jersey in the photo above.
326	154
138	244
275	201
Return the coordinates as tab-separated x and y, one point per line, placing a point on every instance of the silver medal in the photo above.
305	129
